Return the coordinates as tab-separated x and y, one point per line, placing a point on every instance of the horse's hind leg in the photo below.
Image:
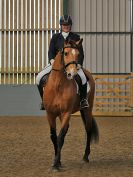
87	123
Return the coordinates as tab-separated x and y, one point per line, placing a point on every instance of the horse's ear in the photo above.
68	41
79	43
72	43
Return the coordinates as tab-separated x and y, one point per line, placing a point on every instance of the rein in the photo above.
72	62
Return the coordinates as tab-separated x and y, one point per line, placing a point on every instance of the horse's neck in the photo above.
57	76
57	73
58	64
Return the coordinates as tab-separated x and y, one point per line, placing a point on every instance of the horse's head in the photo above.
70	55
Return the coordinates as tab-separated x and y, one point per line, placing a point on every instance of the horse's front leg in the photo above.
53	135
60	139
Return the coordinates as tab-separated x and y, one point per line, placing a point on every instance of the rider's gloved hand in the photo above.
52	61
79	66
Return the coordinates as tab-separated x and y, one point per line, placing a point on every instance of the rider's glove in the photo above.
79	66
52	61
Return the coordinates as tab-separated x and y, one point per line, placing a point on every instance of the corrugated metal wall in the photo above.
26	27
105	26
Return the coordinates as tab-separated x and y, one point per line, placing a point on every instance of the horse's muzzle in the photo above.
69	76
71	69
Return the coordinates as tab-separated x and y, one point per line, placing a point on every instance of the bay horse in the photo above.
61	100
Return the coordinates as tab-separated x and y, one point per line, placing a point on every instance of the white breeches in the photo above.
45	71
48	68
82	76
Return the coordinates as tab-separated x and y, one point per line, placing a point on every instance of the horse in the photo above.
61	100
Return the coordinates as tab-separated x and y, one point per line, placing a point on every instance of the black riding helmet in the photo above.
65	20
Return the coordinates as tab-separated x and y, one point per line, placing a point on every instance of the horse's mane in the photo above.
71	43
58	64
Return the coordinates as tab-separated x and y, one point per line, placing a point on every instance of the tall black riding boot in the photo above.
83	96
83	92
40	88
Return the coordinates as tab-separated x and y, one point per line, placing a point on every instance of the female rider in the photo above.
56	44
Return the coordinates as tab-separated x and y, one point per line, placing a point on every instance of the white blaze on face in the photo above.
73	52
72	73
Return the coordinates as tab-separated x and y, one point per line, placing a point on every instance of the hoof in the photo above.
55	169
86	160
56	164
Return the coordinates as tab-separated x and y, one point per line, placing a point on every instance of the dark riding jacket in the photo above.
57	43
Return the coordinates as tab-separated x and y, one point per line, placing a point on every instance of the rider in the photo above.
56	44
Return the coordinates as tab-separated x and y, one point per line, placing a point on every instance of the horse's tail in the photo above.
94	131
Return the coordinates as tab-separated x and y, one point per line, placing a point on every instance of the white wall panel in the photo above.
122	15
99	15
122	53
128	14
74	6
94	53
99	53
111	54
110	15
105	15
82	16
93	15
87	48
116	16
88	15
128	53
116	57
105	54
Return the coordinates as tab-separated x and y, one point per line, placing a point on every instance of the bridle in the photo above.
71	62
65	65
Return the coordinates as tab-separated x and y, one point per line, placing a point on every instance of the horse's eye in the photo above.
66	53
